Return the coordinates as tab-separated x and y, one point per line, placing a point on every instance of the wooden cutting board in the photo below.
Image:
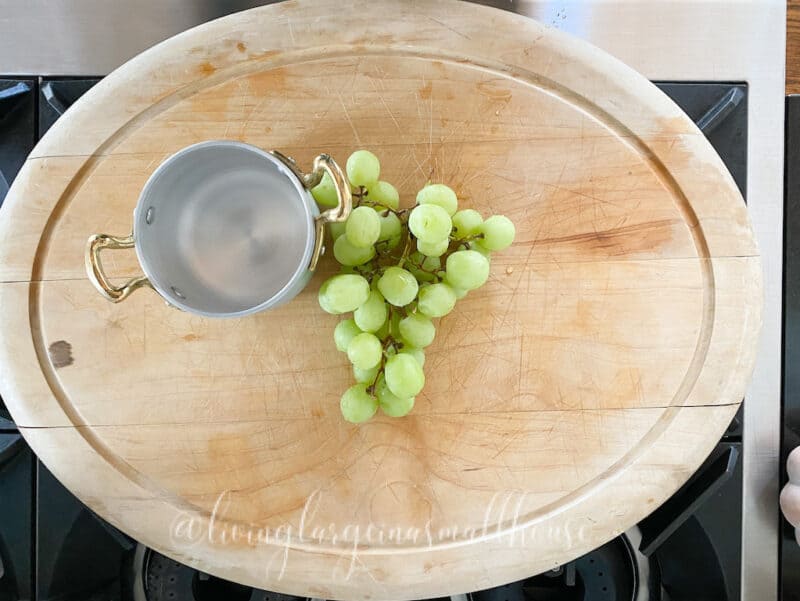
565	400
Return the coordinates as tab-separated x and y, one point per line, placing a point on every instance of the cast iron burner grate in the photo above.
617	571
165	579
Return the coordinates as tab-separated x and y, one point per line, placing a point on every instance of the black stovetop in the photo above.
53	547
790	437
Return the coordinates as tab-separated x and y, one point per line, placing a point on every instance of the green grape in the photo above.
427	263
322	298
364	351
394	324
391	243
417	330
477	247
384	194
357	405
498	232
440	195
398	286
325	192
344	332
436	300
363	227
383	331
372	314
390	226
404	376
422	276
343	293
459	292
430	223
435	249
347	254
363	168
391	404
337	228
417	353
467	269
466	223
385	345
366	376
428	266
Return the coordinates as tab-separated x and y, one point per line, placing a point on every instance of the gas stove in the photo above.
53	547
721	63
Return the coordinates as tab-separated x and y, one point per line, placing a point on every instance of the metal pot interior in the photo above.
224	229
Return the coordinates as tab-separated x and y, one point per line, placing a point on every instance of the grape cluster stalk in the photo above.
400	270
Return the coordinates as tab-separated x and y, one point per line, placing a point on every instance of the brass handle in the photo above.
344	197
94	269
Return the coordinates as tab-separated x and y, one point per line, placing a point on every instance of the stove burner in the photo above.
159	578
167	580
617	571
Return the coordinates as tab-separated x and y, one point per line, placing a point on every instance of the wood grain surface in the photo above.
793	47
565	400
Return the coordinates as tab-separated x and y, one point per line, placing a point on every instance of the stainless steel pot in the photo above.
225	229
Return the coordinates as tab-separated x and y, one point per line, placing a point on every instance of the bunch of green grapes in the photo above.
401	269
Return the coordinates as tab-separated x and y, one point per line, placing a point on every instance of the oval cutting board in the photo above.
565	400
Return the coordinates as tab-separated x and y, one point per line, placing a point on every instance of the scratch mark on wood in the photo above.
446	26
386	106
349	120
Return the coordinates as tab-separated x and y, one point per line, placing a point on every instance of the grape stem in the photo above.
421	267
406	249
358	195
462	244
386	210
390	341
371	387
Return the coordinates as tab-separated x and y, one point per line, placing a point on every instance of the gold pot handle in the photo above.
323	163
94	268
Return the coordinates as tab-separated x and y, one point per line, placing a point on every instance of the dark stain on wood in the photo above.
60	354
619	241
491	90
241	47
425	91
206	68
